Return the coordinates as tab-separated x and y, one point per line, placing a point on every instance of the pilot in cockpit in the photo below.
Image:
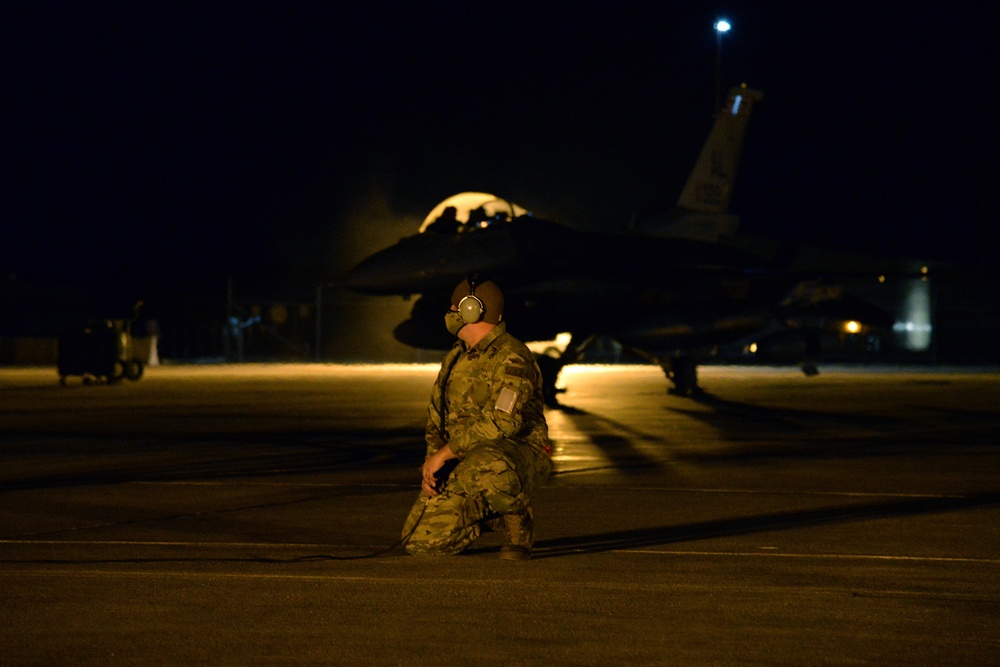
448	222
478	218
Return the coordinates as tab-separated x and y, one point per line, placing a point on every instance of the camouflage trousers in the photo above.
495	477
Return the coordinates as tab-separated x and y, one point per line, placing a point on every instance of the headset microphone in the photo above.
471	307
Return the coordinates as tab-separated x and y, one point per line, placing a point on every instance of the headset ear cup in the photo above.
471	309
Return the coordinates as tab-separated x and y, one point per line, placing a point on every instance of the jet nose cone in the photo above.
377	274
409	267
362	278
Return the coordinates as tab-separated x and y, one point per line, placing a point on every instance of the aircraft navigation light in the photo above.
913	329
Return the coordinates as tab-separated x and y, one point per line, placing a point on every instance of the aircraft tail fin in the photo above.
702	210
709	188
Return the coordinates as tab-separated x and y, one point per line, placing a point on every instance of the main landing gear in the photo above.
683	372
680	368
551	364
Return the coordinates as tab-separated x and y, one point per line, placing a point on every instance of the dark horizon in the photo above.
224	138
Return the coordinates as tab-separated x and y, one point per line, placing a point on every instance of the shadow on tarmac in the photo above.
617	441
627	539
733	418
120	459
806	433
661	535
798	433
757	433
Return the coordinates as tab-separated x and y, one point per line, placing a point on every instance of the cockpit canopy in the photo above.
469	212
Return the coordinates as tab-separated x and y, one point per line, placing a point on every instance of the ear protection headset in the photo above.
471	307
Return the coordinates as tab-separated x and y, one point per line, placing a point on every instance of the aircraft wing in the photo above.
684	282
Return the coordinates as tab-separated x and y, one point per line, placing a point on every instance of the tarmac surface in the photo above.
232	515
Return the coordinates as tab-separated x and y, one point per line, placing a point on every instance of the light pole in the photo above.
721	26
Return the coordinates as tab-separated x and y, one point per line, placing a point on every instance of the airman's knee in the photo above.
429	543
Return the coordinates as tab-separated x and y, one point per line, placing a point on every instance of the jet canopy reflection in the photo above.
469	212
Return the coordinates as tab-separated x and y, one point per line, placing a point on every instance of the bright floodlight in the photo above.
723	26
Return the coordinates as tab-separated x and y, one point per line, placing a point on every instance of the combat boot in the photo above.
518	533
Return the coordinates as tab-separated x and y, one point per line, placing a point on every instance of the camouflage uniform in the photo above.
487	405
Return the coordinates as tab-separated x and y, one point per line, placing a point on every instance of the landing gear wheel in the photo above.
117	372
684	374
133	369
550	368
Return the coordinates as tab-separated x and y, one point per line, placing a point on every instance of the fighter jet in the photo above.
670	289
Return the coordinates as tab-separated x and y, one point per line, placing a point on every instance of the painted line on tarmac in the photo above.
555	487
639	552
208	545
752	492
772	554
407	578
385	485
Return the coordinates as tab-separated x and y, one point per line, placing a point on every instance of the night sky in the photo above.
288	139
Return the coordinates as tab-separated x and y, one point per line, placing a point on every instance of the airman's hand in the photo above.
431	484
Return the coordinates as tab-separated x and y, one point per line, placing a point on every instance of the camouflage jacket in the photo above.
490	392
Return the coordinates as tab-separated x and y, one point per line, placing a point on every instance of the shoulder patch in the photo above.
516	371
